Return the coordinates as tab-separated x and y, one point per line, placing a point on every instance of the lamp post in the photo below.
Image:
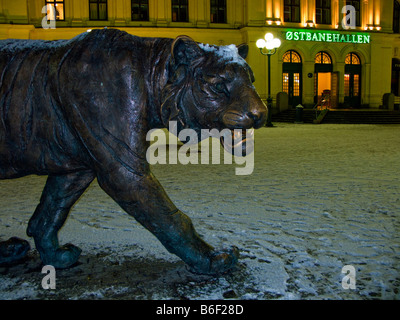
268	47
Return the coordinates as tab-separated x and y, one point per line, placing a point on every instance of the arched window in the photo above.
352	58
291	56
323	58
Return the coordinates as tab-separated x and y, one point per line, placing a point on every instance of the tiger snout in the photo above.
255	117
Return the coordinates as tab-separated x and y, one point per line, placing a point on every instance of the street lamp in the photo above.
268	47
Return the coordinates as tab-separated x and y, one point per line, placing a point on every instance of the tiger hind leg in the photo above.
59	195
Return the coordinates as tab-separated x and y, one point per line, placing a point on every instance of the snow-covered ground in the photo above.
321	197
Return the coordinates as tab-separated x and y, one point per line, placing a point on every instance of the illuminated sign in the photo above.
327	36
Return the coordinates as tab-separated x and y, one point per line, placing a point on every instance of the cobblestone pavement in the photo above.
321	197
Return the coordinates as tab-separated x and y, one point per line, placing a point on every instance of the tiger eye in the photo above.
220	87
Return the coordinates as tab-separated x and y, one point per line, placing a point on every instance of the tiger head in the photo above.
211	87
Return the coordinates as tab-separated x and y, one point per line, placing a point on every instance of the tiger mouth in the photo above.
239	142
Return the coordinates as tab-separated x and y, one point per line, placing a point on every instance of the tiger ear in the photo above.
184	49
243	50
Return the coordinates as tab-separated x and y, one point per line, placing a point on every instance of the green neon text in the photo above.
327	37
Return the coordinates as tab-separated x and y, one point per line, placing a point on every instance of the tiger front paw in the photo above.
219	261
63	257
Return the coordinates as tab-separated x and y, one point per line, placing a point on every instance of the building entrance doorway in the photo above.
326	89
325	81
324	84
352	81
292	77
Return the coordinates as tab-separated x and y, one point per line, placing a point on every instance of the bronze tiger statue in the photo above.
75	110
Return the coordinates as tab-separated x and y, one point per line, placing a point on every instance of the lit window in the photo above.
323	58
291	57
58	5
356	85
98	9
352	58
285	84
346	85
296	84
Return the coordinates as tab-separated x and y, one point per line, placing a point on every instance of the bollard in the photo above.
299	113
